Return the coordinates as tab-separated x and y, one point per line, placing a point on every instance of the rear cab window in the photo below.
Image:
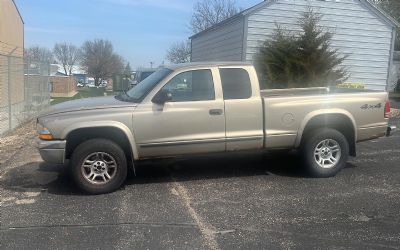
235	83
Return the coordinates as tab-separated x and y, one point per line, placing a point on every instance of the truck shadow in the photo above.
217	166
38	177
55	179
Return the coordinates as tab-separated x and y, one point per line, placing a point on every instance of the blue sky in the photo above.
140	30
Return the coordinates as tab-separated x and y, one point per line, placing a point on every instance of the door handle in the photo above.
215	112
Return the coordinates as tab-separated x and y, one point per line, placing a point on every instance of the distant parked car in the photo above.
103	84
90	83
132	83
80	84
142	74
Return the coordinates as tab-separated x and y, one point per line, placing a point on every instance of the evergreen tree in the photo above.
128	70
306	59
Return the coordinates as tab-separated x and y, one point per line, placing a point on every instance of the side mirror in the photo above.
162	97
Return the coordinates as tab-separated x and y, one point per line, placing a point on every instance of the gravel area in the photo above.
15	140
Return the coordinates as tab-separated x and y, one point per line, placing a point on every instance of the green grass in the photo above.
82	93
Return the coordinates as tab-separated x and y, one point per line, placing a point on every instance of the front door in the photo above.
192	121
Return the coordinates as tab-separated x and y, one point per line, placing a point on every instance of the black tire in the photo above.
315	158
109	151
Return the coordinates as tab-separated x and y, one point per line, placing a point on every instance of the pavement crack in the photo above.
207	231
184	225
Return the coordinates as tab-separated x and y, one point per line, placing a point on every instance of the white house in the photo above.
363	32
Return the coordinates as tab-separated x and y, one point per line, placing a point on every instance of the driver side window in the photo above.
195	85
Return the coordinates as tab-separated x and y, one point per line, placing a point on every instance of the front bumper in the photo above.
390	130
52	151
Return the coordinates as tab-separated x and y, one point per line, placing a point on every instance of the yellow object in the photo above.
350	85
46	137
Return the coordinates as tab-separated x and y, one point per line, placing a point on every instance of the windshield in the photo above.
144	87
145	74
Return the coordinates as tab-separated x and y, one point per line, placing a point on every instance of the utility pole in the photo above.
151	64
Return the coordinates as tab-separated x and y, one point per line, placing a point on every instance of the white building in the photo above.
361	31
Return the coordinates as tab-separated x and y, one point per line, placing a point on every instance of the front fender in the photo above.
118	125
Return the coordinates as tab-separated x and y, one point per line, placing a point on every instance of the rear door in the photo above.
243	108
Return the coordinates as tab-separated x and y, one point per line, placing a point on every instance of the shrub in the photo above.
397	89
305	59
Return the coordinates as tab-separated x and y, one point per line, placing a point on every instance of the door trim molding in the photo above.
183	143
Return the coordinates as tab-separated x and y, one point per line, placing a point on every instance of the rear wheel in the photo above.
325	152
98	166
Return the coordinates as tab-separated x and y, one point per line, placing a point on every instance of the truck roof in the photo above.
206	64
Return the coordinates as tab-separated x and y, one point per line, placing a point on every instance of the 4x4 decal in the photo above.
369	106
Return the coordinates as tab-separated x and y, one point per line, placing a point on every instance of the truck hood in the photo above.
87	104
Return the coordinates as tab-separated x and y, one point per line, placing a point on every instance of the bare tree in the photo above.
67	55
392	7
100	60
179	52
206	13
209	12
39	54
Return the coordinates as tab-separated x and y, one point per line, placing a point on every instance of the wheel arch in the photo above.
114	131
338	119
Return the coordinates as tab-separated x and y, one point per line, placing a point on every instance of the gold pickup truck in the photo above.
202	108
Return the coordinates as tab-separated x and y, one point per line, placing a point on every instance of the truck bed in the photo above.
287	111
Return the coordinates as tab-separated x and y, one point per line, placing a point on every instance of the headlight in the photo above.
44	133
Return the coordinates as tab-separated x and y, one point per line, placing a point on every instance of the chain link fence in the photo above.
24	90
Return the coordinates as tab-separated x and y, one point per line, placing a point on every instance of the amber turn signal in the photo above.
46	137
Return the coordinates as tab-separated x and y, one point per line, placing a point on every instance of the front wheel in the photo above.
98	166
325	152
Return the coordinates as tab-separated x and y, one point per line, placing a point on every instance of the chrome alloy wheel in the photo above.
99	168
327	153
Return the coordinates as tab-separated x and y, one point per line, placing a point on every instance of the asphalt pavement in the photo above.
237	201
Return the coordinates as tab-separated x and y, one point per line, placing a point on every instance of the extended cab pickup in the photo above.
205	108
